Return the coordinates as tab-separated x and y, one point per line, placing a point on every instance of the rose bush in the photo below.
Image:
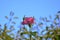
52	28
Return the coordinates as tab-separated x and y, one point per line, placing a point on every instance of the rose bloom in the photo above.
28	20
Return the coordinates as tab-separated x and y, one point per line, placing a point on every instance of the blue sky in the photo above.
34	8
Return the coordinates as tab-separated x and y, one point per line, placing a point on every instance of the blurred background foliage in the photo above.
52	30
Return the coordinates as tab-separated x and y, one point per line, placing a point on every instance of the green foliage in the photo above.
53	30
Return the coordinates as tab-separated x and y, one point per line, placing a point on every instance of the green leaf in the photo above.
41	38
24	33
30	25
6	17
46	27
5	28
40	24
8	30
33	33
